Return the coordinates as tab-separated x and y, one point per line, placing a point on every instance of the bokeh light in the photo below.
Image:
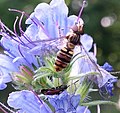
108	21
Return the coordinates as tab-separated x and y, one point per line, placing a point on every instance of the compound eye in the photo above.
75	28
81	30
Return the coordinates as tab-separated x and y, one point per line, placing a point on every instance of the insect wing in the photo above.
46	47
88	63
87	60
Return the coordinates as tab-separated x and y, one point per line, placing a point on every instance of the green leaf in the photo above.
98	102
68	68
39	76
83	89
49	62
50	83
43	69
83	75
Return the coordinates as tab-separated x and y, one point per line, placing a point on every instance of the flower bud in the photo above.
25	76
83	89
26	72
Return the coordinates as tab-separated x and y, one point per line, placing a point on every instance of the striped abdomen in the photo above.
64	56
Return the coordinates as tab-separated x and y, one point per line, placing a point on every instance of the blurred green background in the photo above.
102	22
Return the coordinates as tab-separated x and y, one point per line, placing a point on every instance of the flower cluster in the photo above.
28	63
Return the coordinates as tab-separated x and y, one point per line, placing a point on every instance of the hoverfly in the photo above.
52	44
64	46
66	53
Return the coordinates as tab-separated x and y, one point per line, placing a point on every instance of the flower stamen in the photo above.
20	22
81	10
22	54
5	28
8	50
37	23
20	41
22	32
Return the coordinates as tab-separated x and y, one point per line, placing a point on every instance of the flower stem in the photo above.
86	109
98	108
1	109
2	106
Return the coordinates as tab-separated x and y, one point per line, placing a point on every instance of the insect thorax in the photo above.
73	38
70	45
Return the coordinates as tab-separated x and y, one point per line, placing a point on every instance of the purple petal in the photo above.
32	32
47	19
60	14
10	46
6	62
2	85
71	21
107	67
27	102
82	109
5	75
6	67
83	64
104	80
40	11
60	111
108	86
56	6
104	77
75	100
86	41
64	102
31	17
52	24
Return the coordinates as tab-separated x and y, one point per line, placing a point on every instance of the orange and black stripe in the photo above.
63	58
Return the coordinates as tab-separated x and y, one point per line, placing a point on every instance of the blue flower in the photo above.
88	63
13	59
5	65
108	87
84	64
104	81
28	48
107	67
27	102
66	103
82	109
51	25
54	23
